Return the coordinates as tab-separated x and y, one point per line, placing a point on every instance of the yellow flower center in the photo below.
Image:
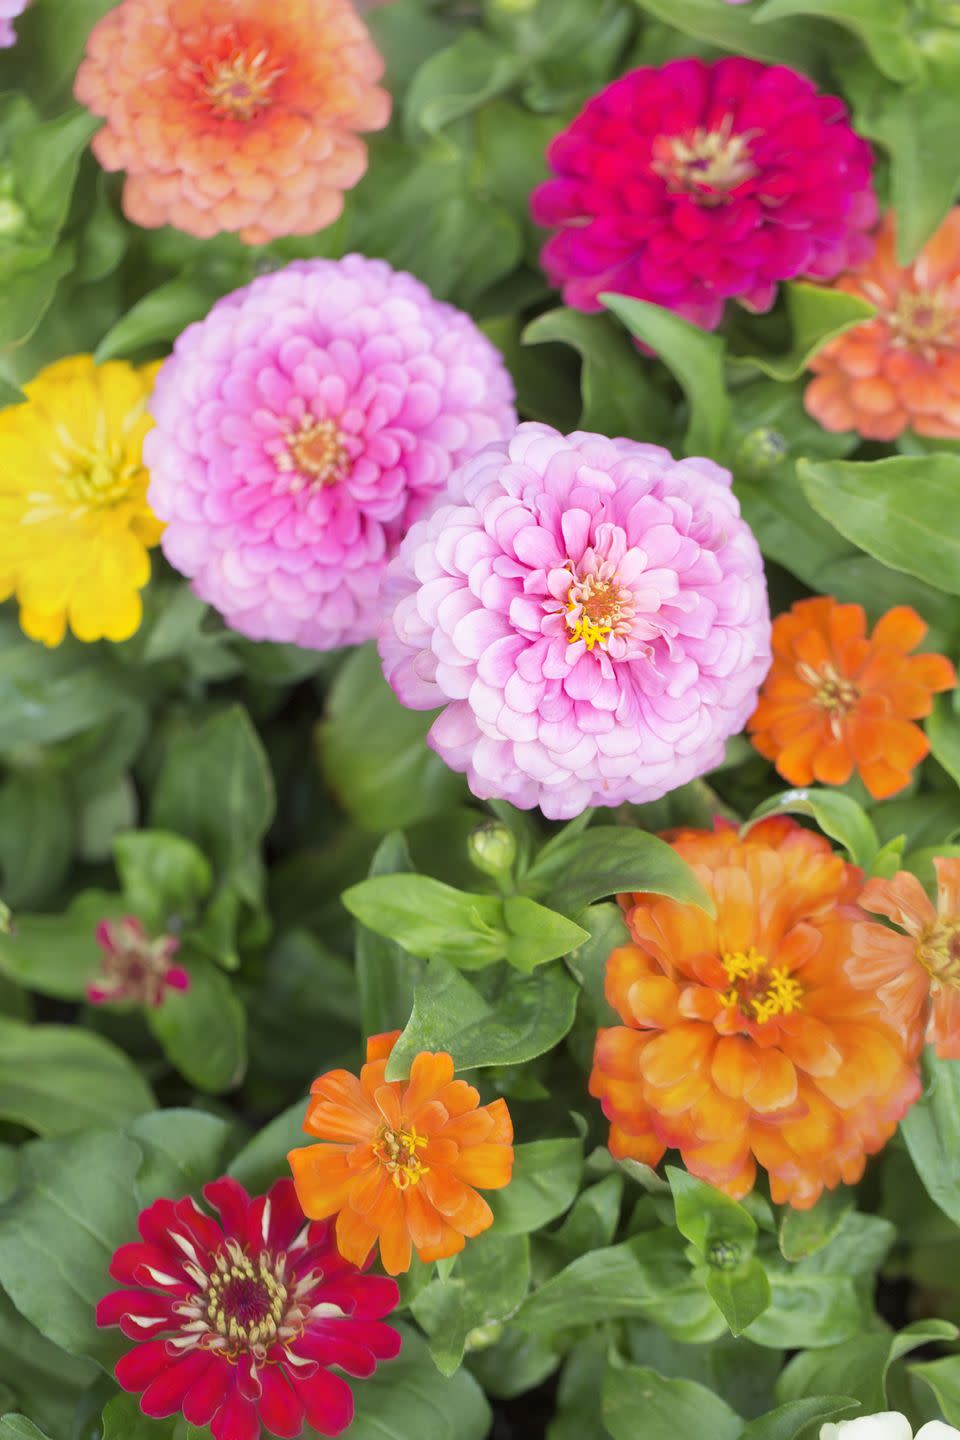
760	991
245	1301
938	950
923	319
95	475
397	1152
596	609
316	451
239	87
835	693
706	164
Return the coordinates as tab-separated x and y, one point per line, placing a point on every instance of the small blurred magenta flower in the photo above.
135	968
9	10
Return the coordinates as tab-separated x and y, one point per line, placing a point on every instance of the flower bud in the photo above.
761	451
723	1255
492	849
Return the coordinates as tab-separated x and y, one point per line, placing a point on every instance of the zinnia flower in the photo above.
301	427
746	1039
891	1425
75	526
838	700
134	967
405	1158
917	974
592	613
237	115
238	1320
696	183
9	10
900	370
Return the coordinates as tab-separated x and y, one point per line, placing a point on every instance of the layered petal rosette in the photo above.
301	427
238	1320
698	182
233	115
9	10
747	1038
591	614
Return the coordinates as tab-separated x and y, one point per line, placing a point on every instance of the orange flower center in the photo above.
938	951
835	693
316	451
239	87
397	1152
923	320
706	164
757	989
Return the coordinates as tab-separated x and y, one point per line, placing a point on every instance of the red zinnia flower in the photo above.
134	967
696	183
238	1321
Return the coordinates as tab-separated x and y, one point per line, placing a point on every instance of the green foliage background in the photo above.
282	812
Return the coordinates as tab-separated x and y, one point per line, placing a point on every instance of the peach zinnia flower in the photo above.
405	1158
838	700
746	1039
917	975
233	115
900	370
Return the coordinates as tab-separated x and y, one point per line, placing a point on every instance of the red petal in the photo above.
139	1366
237	1418
280	1409
164	1395
232	1201
328	1401
207	1394
286	1217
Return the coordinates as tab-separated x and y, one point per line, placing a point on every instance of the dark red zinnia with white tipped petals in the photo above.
239	1319
695	183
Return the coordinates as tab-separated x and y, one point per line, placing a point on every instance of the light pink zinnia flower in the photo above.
135	968
9	10
301	427
591	613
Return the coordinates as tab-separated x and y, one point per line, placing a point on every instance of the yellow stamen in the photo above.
780	993
397	1152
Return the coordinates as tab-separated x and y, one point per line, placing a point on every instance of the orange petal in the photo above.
380	1046
775	1087
489	1166
675	1055
901	628
356	1237
948	885
735	1066
429	1074
323	1179
902	900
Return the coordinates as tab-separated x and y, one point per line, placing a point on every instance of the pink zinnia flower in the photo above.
591	613
696	183
301	427
133	967
238	1321
9	10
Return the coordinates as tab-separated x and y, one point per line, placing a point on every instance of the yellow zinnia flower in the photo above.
75	526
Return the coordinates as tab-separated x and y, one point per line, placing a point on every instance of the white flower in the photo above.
888	1426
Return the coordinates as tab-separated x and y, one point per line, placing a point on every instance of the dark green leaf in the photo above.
45	160
28	300
618	397
816	315
58	954
793	1421
545	1180
709	1218
182	1150
408	1398
669	1407
883	29
162	875
943	1377
264	1158
859	1367
40	1377
837	816
931	1129
804	1232
36	836
203	1029
59	1079
167	311
387	975
943	732
516	1018
488	1284
793	42
575	869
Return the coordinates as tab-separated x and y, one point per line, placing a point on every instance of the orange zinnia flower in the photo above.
901	369
405	1158
917	975
233	115
837	700
746	1039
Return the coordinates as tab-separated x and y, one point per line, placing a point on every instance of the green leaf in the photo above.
431	919
30	297
618	397
741	1296
76	1199
166	312
45	160
696	359
837	815
387	974
374	752
264	1158
931	1129
182	1150
793	42
669	1407
162	875
943	1377
124	1420
900	511
943	732
47	696
18	1427
536	934
203	1029
709	1218
39	1377
807	1310
882	29
794	1420
816	315
36	836
503	1019
489	1282
58	1079
58	954
804	1232
588	963
859	1367
216	789
408	1398
574	869
456	81
545	1181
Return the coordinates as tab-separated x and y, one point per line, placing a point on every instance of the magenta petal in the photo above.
164	1395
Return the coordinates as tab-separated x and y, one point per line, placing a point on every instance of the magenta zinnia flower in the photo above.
301	427
239	1321
133	967
9	10
696	183
591	613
